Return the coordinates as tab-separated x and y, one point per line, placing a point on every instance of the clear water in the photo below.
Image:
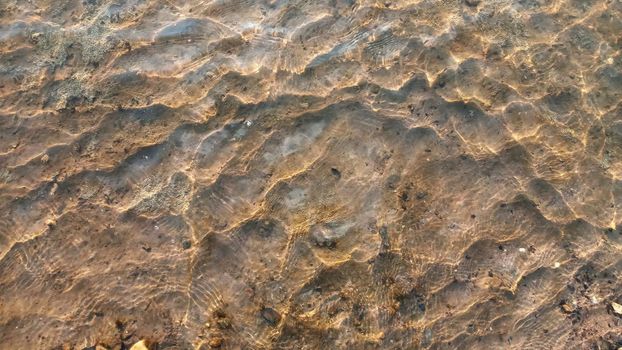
310	174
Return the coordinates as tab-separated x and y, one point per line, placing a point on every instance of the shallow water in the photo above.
310	174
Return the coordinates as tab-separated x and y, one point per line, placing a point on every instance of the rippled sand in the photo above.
311	174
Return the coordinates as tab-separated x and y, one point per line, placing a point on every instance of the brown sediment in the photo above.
310	175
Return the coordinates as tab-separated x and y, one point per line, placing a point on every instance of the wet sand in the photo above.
310	174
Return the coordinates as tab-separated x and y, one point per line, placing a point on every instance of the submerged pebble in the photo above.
270	315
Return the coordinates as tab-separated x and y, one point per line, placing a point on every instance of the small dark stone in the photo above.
270	315
421	195
147	249
472	3
325	243
223	323
186	244
336	173
404	196
322	237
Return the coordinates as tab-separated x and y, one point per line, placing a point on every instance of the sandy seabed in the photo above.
327	174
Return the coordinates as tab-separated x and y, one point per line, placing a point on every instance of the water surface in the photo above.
332	174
